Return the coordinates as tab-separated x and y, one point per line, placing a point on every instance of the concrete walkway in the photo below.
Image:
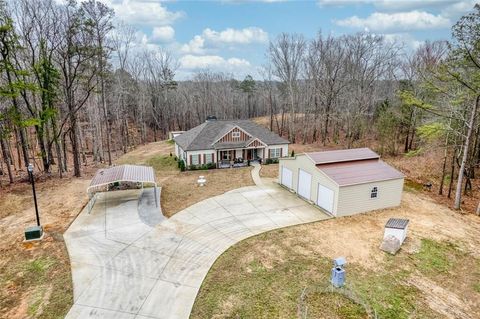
124	268
256	173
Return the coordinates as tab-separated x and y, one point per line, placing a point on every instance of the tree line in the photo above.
76	88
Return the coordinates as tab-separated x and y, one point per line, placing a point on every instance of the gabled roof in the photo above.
203	136
123	173
253	139
354	154
359	172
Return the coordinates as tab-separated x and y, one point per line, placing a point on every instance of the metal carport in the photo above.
122	173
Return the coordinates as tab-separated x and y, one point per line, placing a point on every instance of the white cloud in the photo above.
406	39
243	36
194	46
250	1
143	12
142	42
211	38
163	33
458	8
395	22
392	5
214	62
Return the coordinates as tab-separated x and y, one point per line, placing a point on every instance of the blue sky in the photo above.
232	35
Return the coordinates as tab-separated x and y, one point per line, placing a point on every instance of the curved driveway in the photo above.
124	268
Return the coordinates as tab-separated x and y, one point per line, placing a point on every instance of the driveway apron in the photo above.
124	266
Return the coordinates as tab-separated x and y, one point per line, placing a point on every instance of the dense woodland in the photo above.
75	88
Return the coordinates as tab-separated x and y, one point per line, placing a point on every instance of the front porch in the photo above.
238	157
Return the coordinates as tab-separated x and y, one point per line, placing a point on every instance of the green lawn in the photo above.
264	277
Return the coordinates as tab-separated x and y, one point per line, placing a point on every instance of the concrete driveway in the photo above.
125	267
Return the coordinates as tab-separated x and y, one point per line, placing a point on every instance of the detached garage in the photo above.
343	182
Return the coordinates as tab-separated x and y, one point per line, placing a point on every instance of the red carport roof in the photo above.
123	173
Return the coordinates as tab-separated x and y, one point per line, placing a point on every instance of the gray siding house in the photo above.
343	182
225	142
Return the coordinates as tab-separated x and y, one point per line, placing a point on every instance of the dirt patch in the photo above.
439	257
443	301
358	237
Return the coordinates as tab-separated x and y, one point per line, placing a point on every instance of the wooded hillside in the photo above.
75	89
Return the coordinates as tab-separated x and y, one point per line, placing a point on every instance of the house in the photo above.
224	143
343	182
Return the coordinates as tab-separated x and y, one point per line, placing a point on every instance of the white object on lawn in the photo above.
201	181
396	227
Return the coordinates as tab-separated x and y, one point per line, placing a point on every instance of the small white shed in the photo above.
397	228
343	182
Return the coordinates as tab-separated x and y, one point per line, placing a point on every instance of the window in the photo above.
275	152
236	134
374	192
208	158
195	159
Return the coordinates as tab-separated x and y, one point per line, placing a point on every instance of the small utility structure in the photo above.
343	182
338	272
126	175
396	227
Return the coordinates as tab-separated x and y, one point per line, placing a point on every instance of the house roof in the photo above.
123	173
359	171
397	223
204	136
354	154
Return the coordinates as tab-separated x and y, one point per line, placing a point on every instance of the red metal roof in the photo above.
359	172
354	154
123	173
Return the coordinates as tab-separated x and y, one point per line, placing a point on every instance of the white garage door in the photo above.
304	184
325	198
287	177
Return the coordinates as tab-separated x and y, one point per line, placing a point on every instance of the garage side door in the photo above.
287	177
304	184
325	198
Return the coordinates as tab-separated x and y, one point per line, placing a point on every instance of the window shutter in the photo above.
204	158
191	159
269	153
281	151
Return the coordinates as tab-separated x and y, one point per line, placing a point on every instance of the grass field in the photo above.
35	278
180	189
438	267
435	275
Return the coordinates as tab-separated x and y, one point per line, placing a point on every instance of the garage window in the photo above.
374	192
